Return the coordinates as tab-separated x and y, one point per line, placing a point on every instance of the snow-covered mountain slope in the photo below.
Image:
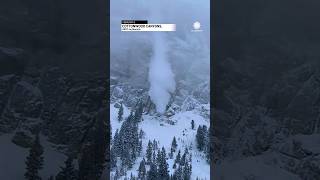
164	129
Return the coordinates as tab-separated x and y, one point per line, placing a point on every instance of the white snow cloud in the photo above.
161	77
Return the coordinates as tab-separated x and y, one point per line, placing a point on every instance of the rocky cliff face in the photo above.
58	104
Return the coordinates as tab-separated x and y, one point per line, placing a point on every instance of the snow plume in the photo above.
161	77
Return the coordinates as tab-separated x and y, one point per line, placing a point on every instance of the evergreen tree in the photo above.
120	113
34	161
158	157
68	172
141	134
187	170
113	158
153	173
178	174
192	124
200	138
140	147
174	165
178	157
142	170
173	147
205	138
129	142
149	152
155	145
209	147
51	178
183	159
163	172
154	159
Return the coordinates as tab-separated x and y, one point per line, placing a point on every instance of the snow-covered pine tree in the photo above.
34	161
155	145
205	137
141	134
129	141
154	157
178	174
116	144
120	113
178	157
153	173
209	148
67	172
174	146
142	170
163	172
149	152
187	171
183	159
113	158
140	147
200	136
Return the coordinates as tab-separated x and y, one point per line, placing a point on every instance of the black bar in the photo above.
134	22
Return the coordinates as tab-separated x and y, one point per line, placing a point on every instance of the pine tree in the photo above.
34	161
187	172
158	157
142	170
153	173
149	152
163	172
140	147
178	174
173	147
178	157
205	138
120	113
129	144
116	144
113	158
68	172
154	159
192	124
200	138
141	134
209	147
155	145
183	159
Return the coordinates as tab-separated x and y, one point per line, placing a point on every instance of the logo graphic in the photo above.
196	27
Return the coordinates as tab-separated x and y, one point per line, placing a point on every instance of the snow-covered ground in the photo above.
13	157
157	128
